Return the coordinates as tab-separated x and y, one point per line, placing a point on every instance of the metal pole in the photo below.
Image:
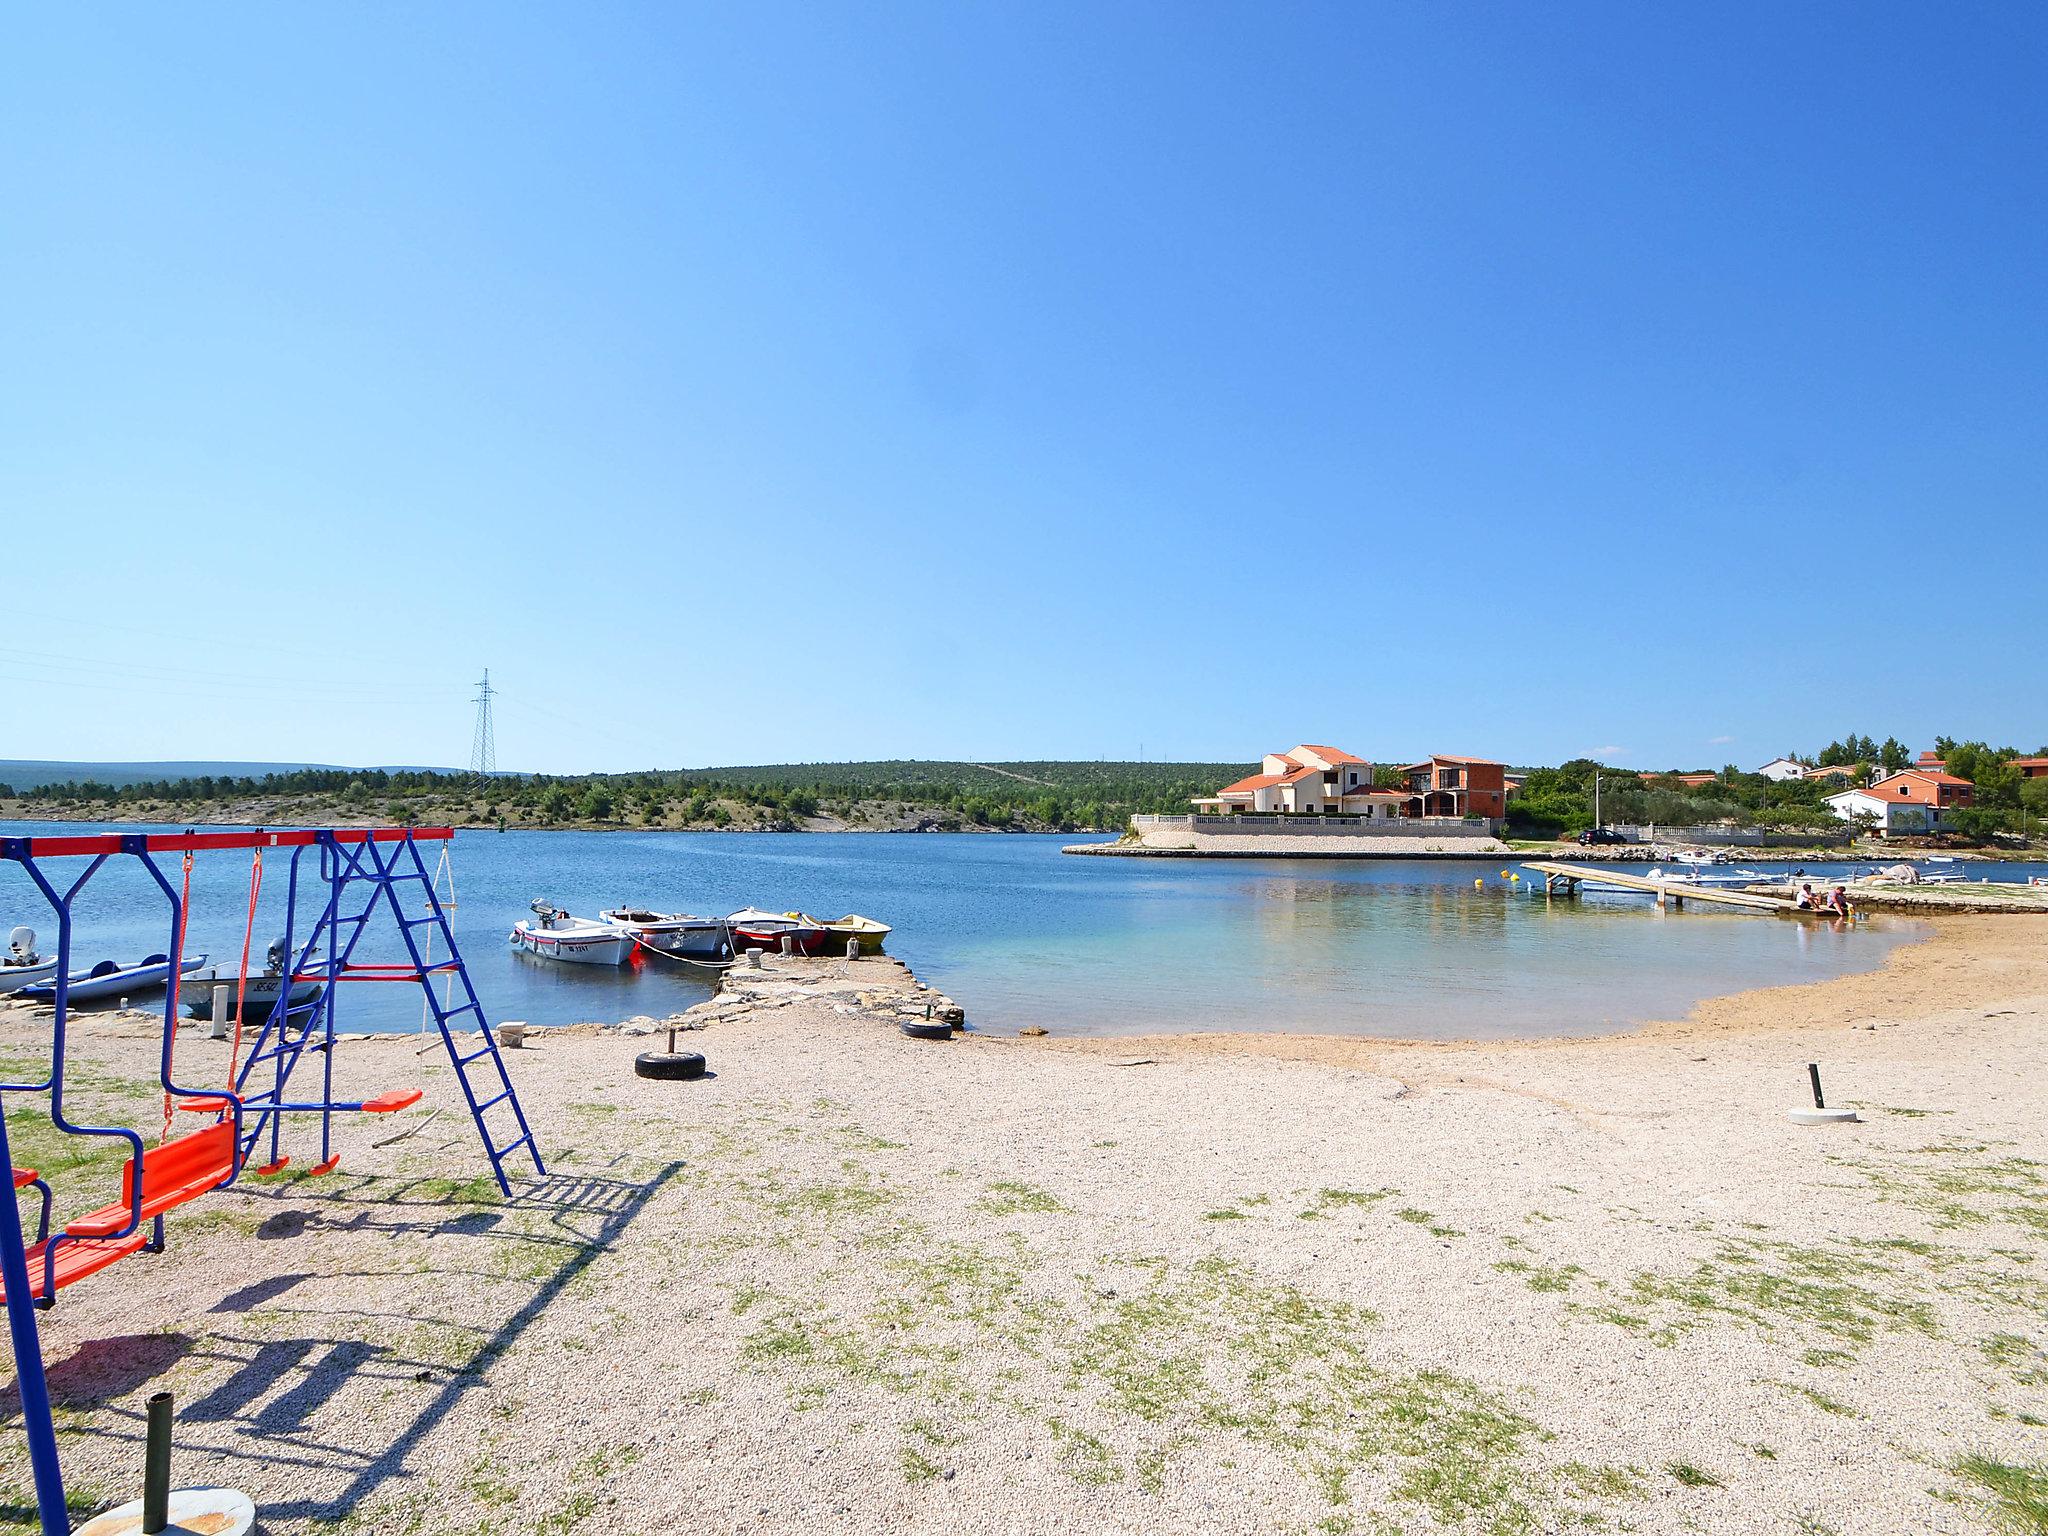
1813	1072
156	1466
28	1366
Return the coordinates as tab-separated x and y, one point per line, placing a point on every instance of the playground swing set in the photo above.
358	873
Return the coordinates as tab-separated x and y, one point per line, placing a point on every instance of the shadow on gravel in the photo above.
104	1368
569	1203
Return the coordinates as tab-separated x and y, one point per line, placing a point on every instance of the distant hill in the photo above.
911	778
28	773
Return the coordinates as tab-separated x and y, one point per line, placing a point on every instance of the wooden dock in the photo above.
1569	877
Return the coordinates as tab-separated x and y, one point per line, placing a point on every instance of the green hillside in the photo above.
1063	796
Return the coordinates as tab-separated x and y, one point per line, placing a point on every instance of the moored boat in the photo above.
555	935
258	995
754	929
112	979
870	933
674	933
21	966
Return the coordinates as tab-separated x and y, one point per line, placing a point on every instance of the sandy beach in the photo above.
855	1282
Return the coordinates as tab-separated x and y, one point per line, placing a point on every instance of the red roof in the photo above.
1328	754
1246	786
1924	789
2030	762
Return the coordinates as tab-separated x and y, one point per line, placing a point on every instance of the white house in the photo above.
1308	780
1779	769
1888	817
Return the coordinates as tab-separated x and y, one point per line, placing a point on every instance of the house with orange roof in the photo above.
2031	767
1911	800
1306	780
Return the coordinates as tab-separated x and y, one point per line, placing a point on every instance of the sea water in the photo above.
1020	933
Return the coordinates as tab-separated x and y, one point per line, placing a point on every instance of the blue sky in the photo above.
757	383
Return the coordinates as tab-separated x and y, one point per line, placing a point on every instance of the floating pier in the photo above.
1569	877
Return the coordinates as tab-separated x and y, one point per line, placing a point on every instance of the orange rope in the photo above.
242	981
177	974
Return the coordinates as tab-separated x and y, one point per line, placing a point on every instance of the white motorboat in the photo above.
111	979
1733	878
21	966
555	935
674	933
1698	856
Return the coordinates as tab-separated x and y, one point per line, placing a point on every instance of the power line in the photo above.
483	751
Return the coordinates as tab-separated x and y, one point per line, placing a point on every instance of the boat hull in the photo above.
92	985
804	940
695	938
870	933
14	977
574	946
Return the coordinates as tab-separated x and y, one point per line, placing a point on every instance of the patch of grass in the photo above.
1956	1184
917	1467
1226	1213
1817	1398
1691	1476
1328	1200
1825	1358
1603	1482
1539	1277
830	1201
1415	1216
2013	1494
1838	1291
1010	1197
1763	1453
2021	1356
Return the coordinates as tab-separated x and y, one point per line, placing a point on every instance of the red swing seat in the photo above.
172	1174
393	1099
77	1257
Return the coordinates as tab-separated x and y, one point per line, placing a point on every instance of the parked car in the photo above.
1599	837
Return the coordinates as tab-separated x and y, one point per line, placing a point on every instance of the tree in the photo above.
597	804
555	803
1893	755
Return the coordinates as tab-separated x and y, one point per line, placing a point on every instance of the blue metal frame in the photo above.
47	1471
339	868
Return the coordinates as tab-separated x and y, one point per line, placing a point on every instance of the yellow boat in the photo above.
853	926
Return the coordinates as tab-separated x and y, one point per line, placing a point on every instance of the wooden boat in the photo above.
754	929
853	926
674	933
21	966
555	935
111	979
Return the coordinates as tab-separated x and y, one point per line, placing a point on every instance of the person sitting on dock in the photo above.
1838	901
1806	900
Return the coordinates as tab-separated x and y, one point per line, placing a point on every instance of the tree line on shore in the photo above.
1046	795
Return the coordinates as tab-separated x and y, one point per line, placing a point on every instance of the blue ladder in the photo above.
465	1031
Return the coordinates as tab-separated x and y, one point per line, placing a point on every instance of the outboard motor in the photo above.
21	945
545	910
274	957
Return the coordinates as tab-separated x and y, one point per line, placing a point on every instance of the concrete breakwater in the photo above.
1301	845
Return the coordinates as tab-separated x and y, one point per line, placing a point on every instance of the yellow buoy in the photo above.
1480	883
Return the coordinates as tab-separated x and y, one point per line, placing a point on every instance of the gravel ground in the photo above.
859	1283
